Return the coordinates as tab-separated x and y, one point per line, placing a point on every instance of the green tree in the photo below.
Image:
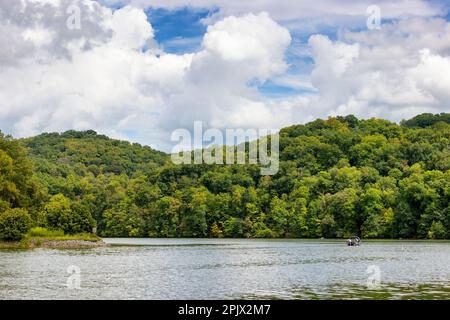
164	220
193	221
14	224
124	219
437	231
70	217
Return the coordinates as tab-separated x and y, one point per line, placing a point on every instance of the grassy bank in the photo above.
41	237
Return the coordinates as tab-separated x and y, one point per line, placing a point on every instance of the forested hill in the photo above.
90	152
338	177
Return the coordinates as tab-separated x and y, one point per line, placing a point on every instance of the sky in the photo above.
139	69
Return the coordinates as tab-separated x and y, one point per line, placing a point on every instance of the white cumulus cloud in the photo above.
393	73
111	75
118	82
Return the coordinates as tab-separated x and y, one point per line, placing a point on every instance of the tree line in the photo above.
338	178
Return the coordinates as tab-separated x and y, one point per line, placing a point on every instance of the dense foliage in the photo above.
426	119
338	177
14	224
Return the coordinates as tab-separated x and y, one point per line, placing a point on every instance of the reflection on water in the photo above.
230	269
389	291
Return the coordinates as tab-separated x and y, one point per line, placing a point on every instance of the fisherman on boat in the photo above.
354	241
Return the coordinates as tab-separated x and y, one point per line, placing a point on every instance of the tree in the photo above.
193	221
234	227
215	231
70	217
14	224
426	119
370	206
164	220
124	219
437	231
280	216
18	185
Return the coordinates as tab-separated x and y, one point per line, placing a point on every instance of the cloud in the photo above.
130	28
112	76
252	39
393	73
118	81
235	51
285	10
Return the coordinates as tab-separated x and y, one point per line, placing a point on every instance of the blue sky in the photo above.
178	31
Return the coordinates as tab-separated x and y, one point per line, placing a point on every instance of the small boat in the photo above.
354	241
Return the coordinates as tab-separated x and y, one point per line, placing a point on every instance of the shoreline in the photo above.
53	244
68	244
217	241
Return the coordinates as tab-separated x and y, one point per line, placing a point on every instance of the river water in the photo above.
229	269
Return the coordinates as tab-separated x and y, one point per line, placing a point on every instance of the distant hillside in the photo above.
89	151
426	120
